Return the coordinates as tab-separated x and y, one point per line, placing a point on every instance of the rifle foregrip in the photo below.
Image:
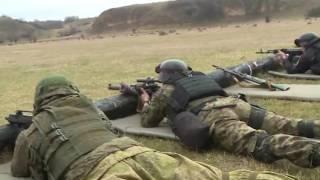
148	80
142	80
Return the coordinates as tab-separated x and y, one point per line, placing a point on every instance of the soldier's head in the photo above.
172	69
53	86
307	40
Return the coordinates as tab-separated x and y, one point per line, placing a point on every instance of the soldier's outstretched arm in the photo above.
153	113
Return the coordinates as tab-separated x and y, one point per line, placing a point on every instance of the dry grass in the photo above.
93	64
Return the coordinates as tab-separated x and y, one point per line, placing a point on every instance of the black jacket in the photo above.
310	59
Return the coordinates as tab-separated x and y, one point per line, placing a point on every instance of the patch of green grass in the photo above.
92	64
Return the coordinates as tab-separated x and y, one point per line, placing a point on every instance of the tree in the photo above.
201	9
252	7
258	7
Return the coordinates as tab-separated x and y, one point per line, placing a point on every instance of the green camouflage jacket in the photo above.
152	115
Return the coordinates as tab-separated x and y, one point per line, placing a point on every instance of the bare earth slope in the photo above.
157	14
193	12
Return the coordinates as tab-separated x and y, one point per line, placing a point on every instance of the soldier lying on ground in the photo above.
70	139
201	113
309	60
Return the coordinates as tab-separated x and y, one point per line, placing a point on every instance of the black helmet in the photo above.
171	69
307	40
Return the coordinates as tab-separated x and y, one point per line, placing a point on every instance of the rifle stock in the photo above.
17	122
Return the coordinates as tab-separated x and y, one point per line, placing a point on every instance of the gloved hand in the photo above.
280	57
144	99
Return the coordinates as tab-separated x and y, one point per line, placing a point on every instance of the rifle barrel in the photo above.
114	86
149	80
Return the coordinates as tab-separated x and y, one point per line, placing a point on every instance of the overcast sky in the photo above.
58	9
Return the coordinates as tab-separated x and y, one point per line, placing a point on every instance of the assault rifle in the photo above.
290	51
17	122
149	84
259	81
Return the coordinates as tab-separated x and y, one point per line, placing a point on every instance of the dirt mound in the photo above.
164	13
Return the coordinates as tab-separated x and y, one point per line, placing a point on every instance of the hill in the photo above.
172	13
13	30
181	12
157	14
47	25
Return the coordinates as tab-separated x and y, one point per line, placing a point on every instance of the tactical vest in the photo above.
68	128
192	88
185	124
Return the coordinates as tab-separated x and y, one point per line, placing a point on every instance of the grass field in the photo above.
92	64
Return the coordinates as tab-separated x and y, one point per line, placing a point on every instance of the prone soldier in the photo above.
201	113
70	139
309	60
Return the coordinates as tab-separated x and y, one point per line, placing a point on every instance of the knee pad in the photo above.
263	151
315	156
257	116
306	128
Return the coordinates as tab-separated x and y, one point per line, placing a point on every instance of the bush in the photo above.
47	25
71	19
315	12
71	30
162	33
199	10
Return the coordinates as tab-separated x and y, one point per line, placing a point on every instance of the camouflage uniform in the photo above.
114	158
228	119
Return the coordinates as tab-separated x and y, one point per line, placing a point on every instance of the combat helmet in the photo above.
172	69
307	40
54	85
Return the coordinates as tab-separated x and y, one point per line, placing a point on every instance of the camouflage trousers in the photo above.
229	118
141	163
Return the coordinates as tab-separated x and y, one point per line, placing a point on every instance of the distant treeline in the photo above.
14	30
255	7
314	12
249	7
